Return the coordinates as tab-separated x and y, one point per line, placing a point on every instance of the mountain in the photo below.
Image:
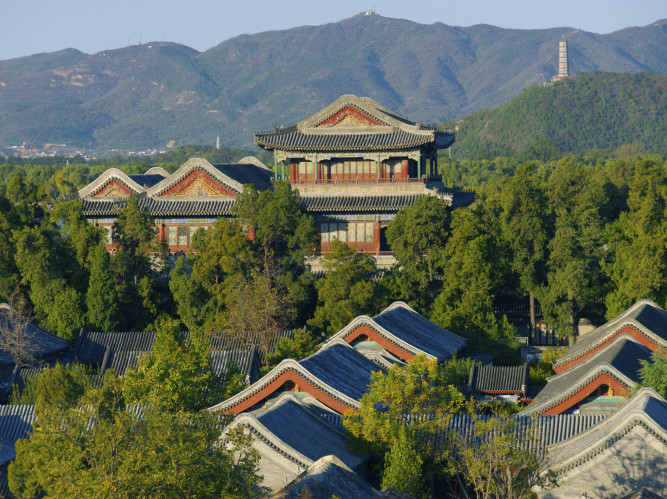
143	96
588	111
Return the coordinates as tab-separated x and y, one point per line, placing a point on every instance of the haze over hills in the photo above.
143	96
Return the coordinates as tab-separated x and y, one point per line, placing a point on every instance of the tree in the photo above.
177	375
134	234
90	444
402	395
403	466
527	229
16	338
103	302
418	236
575	279
347	290
654	373
638	238
280	227
57	304
495	457
303	345
475	268
255	309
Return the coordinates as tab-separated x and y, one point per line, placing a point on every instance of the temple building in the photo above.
354	163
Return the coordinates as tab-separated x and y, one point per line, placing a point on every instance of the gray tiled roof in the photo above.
498	379
16	421
336	369
120	350
645	408
147	180
210	207
299	427
404	323
358	203
644	315
342	368
363	140
328	477
621	360
247	173
43	343
402	326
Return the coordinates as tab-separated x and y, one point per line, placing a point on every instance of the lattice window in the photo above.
182	236
351	232
369	231
360	232
172	233
324	232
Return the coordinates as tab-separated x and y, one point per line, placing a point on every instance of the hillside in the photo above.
589	111
143	96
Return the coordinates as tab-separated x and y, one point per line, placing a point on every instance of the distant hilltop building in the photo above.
562	60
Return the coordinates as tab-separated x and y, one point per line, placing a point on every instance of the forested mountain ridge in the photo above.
142	96
588	111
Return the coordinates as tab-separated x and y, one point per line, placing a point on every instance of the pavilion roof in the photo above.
409	331
156	181
498	379
644	316
328	477
337	371
372	128
645	409
296	430
621	361
362	141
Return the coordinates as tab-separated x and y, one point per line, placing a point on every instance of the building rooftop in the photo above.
645	317
621	361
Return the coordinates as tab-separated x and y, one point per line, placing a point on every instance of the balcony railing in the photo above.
357	180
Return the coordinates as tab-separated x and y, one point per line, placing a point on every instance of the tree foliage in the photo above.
87	442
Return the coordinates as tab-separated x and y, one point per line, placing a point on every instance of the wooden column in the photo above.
419	167
292	172
376	237
405	168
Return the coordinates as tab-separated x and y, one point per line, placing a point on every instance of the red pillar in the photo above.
292	172
405	168
376	237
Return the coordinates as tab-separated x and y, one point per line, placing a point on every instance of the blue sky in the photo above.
35	26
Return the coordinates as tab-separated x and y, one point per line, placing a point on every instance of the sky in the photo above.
37	26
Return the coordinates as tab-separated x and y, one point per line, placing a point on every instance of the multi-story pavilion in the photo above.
355	164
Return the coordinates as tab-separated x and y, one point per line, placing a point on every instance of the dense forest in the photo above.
585	236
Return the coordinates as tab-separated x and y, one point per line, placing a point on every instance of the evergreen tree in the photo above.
102	298
418	236
347	290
